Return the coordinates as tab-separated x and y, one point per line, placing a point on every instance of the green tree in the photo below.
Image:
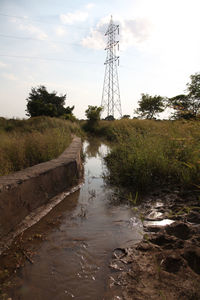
181	107
125	117
149	106
194	93
187	106
109	118
42	103
93	114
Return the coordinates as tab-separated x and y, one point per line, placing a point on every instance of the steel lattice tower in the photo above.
111	94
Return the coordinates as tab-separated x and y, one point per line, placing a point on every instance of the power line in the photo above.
44	22
35	39
56	59
48	59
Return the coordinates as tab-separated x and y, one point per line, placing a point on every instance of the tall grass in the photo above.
148	153
24	143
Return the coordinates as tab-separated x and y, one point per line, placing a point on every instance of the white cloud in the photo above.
90	5
60	31
71	18
36	31
9	76
77	16
31	29
2	65
132	32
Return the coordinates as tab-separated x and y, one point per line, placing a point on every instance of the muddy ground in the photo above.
24	250
166	263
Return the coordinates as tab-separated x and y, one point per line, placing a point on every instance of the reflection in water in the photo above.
92	147
73	260
163	222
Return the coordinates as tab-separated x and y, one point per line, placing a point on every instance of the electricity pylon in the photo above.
111	94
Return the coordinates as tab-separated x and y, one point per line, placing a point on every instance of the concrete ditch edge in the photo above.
24	191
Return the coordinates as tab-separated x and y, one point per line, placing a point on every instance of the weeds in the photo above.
24	143
149	153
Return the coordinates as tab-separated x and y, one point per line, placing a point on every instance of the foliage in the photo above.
181	106
125	117
149	106
93	114
147	153
24	143
194	93
42	103
109	118
187	106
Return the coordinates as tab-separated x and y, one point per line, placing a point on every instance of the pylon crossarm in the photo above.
111	94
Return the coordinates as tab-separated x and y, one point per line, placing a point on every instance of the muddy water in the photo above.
73	261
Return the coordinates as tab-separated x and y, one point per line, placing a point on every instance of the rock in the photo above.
172	263
118	253
117	265
144	246
192	256
162	239
152	228
194	217
179	230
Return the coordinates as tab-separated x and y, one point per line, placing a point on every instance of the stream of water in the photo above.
73	261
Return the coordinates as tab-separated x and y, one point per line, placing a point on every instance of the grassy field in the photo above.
24	143
149	153
145	153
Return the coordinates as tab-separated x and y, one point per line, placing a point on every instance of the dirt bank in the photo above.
166	263
26	190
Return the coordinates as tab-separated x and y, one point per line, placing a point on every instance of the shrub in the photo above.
148	153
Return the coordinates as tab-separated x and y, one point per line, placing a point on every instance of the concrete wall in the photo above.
23	191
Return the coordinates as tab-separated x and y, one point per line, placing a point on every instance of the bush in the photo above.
148	153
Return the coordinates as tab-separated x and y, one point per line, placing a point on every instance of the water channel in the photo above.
72	262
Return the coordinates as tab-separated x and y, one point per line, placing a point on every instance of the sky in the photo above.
60	44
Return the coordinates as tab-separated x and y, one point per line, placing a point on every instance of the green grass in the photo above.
24	143
148	153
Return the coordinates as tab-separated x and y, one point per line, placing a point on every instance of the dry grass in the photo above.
24	143
149	153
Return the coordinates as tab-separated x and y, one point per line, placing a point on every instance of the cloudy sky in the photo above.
60	44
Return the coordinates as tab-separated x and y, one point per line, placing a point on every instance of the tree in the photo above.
125	117
149	106
187	106
181	106
93	113
109	118
194	93
42	103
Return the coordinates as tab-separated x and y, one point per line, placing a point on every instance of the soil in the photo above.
24	250
166	263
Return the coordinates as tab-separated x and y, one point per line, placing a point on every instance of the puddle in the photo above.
158	223
72	262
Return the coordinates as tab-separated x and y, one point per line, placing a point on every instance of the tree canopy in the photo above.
149	106
42	103
187	106
109	118
125	117
93	113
